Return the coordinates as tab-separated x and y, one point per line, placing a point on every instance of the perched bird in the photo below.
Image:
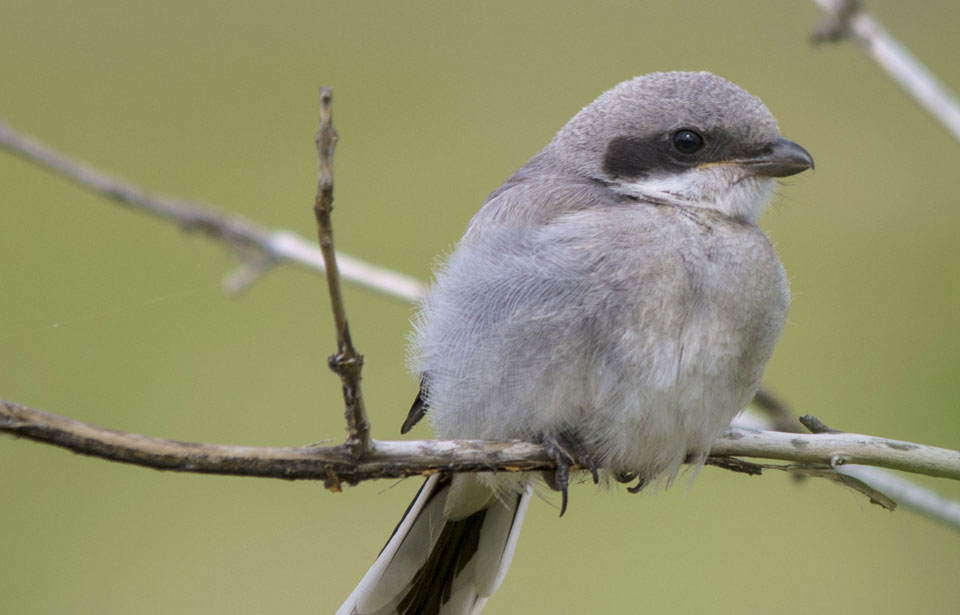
614	299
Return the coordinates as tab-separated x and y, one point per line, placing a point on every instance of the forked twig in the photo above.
347	363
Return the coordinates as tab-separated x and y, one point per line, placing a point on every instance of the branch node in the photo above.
342	363
838	460
836	25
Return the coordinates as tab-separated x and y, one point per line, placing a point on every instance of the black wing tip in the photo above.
412	419
417	411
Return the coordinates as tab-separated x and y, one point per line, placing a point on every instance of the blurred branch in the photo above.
912	495
907	493
818	454
846	19
259	248
781	416
347	363
881	486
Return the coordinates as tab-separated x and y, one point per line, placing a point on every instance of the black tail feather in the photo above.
432	583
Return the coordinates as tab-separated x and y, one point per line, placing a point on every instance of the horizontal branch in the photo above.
335	464
838	449
332	464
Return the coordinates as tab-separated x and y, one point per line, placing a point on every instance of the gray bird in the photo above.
614	299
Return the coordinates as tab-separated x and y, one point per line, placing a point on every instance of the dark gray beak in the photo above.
781	158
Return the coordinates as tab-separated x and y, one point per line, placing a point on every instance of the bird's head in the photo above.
688	139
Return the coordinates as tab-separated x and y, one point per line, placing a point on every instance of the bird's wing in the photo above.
418	409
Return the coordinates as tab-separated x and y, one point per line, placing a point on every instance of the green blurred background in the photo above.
117	319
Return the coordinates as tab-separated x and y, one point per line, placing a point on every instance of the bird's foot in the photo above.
629	477
566	451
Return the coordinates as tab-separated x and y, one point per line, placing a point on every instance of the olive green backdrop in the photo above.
114	318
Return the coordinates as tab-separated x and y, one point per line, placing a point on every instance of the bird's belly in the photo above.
655	408
644	355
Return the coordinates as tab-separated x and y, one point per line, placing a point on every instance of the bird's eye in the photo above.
687	141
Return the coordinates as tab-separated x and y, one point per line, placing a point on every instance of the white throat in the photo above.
724	187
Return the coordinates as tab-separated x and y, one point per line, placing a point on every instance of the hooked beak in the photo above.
781	158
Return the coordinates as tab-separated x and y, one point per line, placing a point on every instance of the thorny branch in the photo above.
347	363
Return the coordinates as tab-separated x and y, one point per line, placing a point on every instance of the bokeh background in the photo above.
115	318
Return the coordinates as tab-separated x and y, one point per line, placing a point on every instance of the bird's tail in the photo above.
439	562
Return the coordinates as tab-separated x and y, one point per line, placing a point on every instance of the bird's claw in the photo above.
566	451
628	477
641	483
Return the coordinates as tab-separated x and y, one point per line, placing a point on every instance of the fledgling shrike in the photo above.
614	299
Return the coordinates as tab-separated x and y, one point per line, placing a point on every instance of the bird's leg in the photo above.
566	451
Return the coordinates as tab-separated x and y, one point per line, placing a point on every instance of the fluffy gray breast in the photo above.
525	318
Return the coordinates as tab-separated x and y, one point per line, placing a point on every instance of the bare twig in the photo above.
337	464
834	475
815	425
347	363
735	464
838	449
870	481
847	19
255	244
333	464
892	487
907	494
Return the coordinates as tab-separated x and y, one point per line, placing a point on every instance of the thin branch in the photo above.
815	425
870	481
335	465
847	19
877	481
838	449
347	363
253	242
907	493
